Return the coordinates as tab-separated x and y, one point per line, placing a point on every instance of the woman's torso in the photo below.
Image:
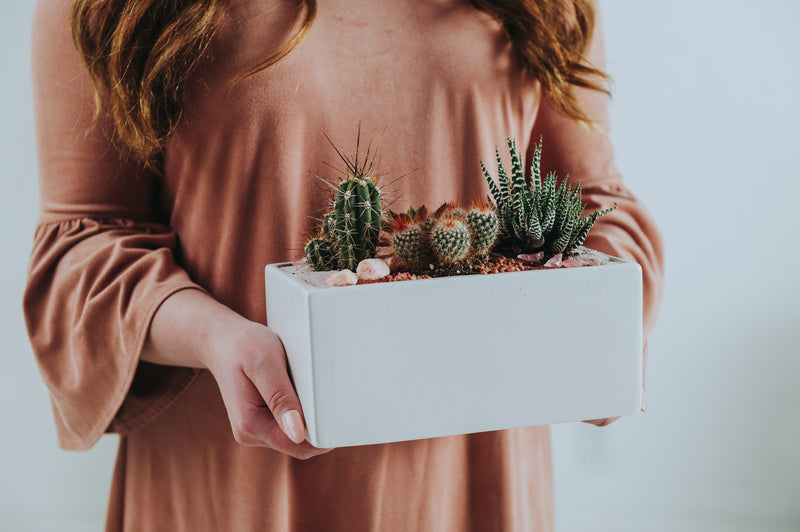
240	190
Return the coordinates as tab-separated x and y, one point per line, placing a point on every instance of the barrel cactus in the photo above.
483	228
447	240
450	240
538	214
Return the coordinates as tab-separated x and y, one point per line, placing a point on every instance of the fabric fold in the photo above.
93	288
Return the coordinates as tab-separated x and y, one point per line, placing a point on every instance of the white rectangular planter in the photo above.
417	359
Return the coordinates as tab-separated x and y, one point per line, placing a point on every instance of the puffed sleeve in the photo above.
587	156
102	261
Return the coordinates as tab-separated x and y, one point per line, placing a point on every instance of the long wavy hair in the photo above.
141	52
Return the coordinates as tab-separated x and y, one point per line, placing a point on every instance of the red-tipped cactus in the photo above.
483	227
450	240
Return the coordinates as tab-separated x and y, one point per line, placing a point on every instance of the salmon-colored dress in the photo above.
238	192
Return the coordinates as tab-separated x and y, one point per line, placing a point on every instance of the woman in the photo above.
162	204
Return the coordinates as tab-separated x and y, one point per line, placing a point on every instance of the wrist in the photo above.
189	330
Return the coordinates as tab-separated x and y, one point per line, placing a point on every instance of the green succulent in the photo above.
534	213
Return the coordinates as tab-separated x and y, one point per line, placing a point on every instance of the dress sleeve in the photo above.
587	156
102	261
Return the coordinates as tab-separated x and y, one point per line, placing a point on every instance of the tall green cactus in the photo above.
537	214
353	225
357	214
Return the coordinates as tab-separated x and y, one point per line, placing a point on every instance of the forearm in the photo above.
186	328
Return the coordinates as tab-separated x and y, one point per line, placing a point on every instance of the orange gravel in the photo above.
494	265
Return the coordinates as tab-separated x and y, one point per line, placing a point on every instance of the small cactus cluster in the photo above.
539	214
349	231
449	238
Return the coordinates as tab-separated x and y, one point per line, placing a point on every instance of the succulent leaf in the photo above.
502	179
539	214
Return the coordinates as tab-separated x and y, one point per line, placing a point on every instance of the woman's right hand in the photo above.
248	362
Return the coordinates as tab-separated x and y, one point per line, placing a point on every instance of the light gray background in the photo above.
705	120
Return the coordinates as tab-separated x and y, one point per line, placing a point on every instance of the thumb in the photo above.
276	389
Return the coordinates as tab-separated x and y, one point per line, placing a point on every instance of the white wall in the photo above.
705	120
705	117
41	487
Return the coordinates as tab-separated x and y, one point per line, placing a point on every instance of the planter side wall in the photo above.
288	317
427	358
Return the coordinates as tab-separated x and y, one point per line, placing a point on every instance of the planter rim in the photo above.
280	266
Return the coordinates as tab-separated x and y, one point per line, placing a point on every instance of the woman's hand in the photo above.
248	362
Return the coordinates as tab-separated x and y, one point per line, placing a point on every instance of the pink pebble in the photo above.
300	262
572	263
591	261
554	262
531	257
372	269
342	278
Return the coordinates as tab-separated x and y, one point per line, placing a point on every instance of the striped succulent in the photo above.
537	214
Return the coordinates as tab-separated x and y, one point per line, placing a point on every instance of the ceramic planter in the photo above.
417	359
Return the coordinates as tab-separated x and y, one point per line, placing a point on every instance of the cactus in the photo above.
350	230
445	242
408	237
450	240
408	247
321	253
483	228
357	214
539	214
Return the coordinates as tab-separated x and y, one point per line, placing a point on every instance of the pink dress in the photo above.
238	193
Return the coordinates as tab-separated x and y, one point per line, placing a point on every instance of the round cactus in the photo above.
450	240
408	246
483	228
321	253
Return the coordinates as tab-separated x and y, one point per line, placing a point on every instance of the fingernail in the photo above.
293	426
